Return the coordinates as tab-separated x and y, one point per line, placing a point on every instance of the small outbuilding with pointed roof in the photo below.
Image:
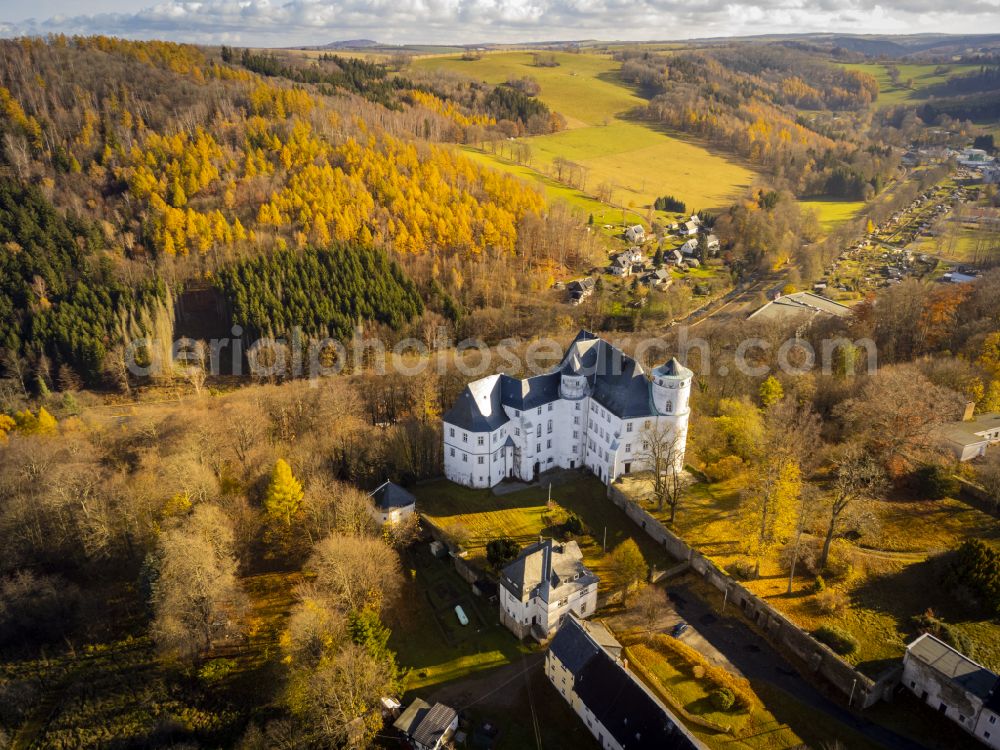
392	503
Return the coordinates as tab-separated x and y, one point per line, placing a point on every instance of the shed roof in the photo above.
953	665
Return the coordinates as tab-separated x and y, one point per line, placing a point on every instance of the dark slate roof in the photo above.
529	393
479	408
435	723
617	382
390	495
953	665
543	568
675	369
629	712
572	646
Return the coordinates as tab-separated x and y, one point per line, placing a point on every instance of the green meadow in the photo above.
603	134
919	76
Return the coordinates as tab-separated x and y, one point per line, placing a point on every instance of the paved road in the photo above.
755	659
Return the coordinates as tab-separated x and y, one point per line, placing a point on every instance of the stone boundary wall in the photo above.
855	687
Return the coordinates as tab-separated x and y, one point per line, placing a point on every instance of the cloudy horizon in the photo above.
315	22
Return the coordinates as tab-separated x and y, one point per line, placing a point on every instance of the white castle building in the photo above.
598	409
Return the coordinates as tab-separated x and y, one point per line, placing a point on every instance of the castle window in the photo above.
465	437
538	431
670	405
628	427
548	443
517	432
576	420
465	457
539	410
550	406
451	432
550	426
628	447
481	460
479	440
452	450
577	405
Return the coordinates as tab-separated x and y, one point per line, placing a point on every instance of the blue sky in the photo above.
293	22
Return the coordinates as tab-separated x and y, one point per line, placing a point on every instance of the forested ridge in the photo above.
131	167
747	99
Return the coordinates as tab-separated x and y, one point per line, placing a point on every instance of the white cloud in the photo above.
290	22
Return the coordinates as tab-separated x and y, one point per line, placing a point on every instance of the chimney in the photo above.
970	410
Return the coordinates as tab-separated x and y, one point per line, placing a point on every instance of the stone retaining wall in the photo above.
856	688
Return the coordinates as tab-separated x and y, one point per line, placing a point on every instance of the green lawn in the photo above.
779	722
479	516
584	88
556	191
429	640
831	212
920	76
640	162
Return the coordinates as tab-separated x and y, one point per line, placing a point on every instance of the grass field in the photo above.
832	212
920	76
479	516
429	640
884	577
556	191
640	162
756	728
961	243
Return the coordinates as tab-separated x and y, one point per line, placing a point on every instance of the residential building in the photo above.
580	289
712	244
954	686
546	582
635	233
584	662
690	247
689	228
391	503
971	437
427	727
596	410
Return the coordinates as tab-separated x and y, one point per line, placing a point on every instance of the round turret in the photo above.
671	387
572	386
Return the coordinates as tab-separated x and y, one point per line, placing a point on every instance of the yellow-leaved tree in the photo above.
768	511
284	494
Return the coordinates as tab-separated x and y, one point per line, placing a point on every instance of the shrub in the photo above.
818	586
722	698
830	601
573	525
499	552
836	638
724	469
977	567
934	482
216	670
742	570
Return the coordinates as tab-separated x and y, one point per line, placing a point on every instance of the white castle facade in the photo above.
598	409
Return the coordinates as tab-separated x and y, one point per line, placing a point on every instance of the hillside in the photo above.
162	164
627	161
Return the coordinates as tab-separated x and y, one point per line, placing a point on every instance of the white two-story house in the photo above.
546	582
596	410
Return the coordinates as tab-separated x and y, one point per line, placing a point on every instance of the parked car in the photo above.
462	617
678	630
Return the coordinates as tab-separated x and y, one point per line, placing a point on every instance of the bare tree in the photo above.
856	476
192	363
196	597
356	572
661	451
